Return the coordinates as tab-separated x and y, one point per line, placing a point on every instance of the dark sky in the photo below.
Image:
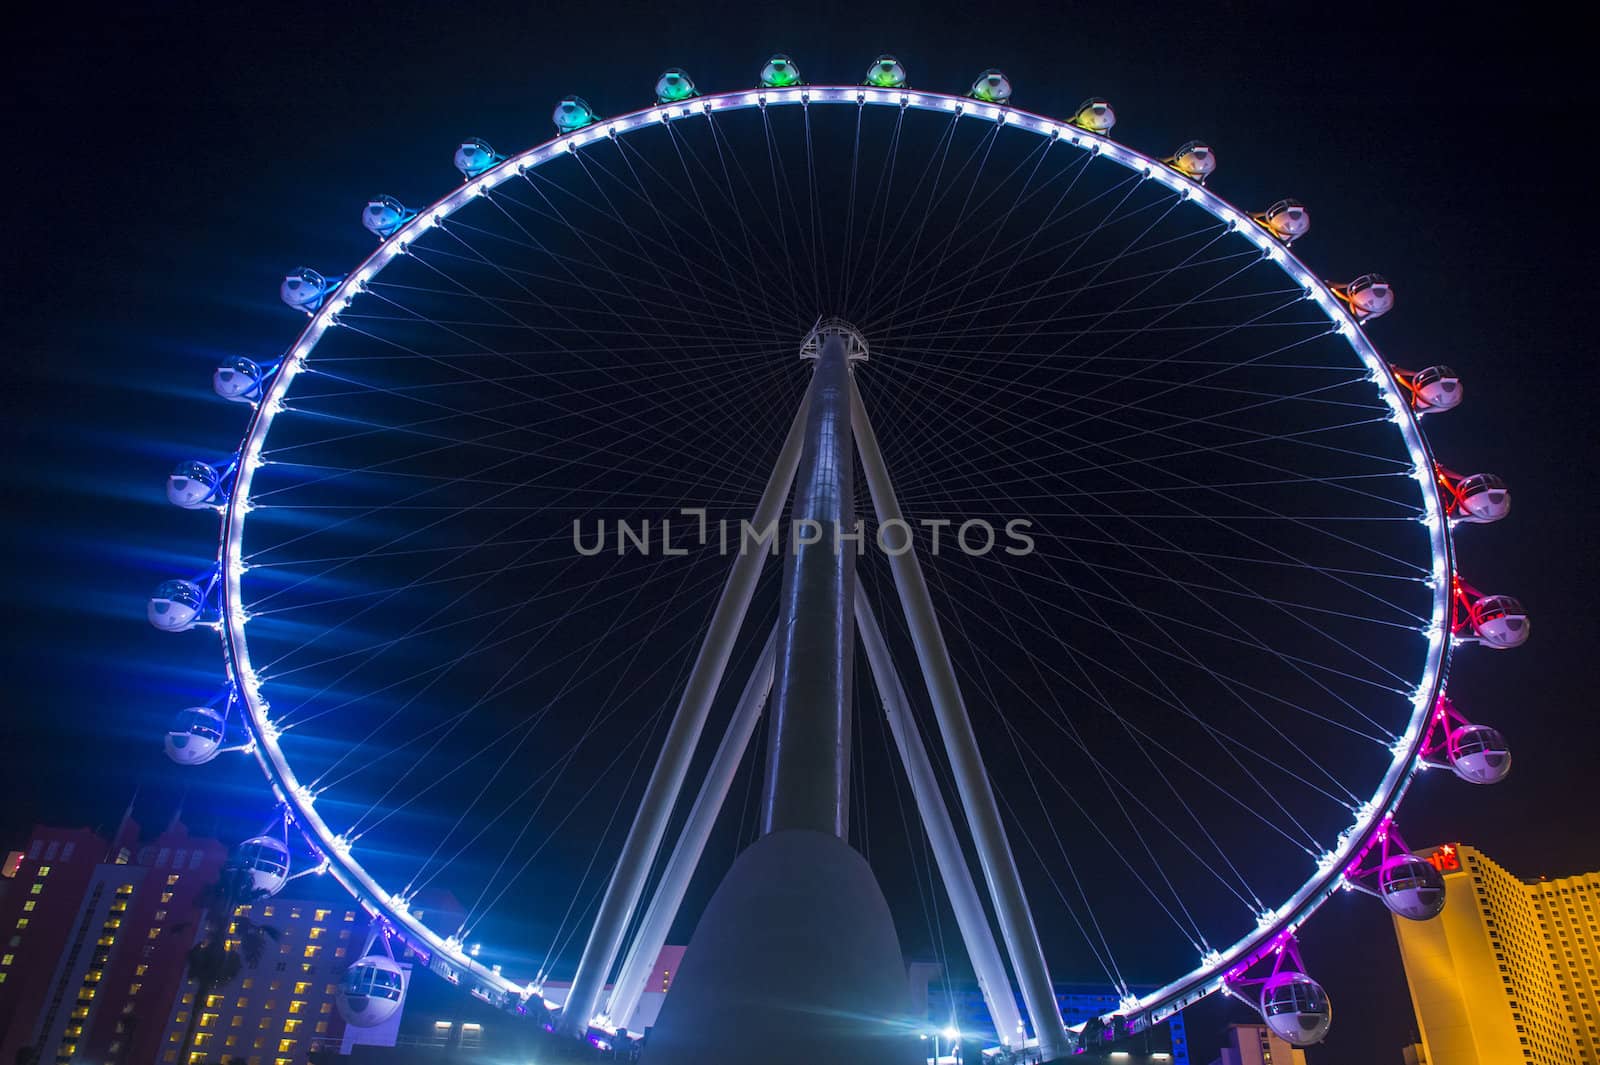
165	169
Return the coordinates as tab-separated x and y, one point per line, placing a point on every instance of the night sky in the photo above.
166	169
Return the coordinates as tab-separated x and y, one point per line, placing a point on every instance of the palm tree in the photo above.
212	962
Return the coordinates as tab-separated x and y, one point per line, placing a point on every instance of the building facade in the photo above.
1255	1044
1507	973
97	932
281	1009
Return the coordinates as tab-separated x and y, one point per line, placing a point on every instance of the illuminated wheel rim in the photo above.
448	955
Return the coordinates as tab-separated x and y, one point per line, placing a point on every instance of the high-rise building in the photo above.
1255	1044
281	1008
96	935
1507	973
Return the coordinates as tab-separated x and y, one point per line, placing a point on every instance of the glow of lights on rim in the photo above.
1209	975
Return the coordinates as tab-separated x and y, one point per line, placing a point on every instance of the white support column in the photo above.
677	751
961	744
947	854
663	909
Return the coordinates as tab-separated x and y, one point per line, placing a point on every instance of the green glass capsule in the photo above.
674	86
992	87
886	73
573	113
780	73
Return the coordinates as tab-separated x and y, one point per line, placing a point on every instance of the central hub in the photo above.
855	345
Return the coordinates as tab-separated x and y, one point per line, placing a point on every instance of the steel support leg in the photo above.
663	909
947	854
808	749
972	780
683	736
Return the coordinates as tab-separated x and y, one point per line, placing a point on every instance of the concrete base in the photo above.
794	962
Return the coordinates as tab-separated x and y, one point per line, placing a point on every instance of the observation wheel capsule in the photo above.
305	289
1288	220
195	737
1411	887
1500	621
1368	296
474	156
1478	754
674	86
780	73
1095	115
1296	1008
384	215
1194	160
572	114
886	73
176	606
371	991
1433	388
1481	498
265	862
238	381
194	485
992	87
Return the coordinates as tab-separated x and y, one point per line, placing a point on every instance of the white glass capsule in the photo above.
238	381
304	289
1288	220
992	87
195	736
194	485
1478	754
1436	388
1194	160
1095	115
265	862
1296	1008
1482	498
1411	887
1500	622
474	157
384	215
1369	296
176	606
371	992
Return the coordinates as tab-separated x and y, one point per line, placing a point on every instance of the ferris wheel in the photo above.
1155	583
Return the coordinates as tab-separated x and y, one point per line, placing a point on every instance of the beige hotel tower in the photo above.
1506	974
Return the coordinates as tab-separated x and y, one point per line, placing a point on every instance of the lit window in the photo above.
173	879
139	970
297	1006
161	915
266	911
44	871
315	933
207	1020
286	1046
36	889
321	915
6	959
291	1026
22	922
166	897
302	988
313	951
27	907
241	1003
